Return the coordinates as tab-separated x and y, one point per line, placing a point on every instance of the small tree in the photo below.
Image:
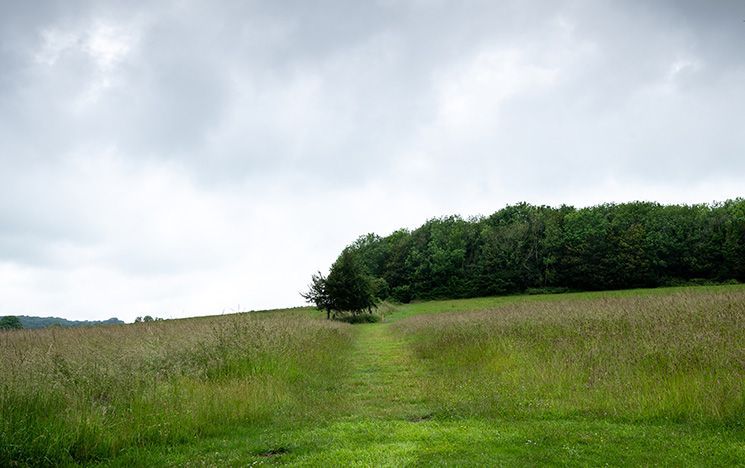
10	322
347	288
317	294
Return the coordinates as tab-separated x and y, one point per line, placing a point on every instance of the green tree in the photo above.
348	287
10	322
734	244
520	247
317	294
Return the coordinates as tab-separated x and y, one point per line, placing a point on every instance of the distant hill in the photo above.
42	322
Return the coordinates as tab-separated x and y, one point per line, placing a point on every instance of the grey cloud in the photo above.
140	138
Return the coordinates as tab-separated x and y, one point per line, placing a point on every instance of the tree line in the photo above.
43	322
528	248
10	322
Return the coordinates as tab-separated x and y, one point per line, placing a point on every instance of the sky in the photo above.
183	158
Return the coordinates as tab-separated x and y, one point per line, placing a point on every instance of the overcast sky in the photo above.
183	158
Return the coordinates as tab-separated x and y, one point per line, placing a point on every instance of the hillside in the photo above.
642	377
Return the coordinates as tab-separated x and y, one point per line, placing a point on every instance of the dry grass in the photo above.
677	358
77	395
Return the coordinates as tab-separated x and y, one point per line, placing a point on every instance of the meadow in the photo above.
677	357
650	377
89	394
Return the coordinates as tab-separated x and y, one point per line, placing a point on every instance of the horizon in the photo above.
186	158
306	305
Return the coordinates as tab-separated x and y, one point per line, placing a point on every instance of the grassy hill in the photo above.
628	377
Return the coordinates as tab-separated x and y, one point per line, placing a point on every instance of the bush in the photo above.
402	294
547	290
677	282
361	318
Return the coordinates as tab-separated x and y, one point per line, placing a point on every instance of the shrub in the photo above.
547	290
402	294
361	318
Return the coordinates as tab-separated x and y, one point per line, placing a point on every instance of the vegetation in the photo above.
147	318
526	248
348	288
677	357
10	322
362	318
79	395
43	322
645	377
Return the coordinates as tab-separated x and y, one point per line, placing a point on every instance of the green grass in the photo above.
83	395
488	303
461	442
671	358
646	377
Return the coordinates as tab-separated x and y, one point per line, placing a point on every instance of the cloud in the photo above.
185	158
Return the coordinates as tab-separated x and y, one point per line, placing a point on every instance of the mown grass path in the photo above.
384	379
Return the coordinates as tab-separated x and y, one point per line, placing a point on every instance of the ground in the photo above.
384	417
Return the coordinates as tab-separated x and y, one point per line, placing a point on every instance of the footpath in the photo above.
384	383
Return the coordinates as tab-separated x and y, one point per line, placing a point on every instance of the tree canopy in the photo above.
43	322
10	322
525	247
318	295
348	287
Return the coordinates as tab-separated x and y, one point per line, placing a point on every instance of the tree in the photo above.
348	288
10	322
523	247
317	294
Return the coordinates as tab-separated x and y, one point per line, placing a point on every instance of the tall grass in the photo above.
679	357
79	395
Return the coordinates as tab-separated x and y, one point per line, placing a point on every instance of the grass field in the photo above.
645	377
